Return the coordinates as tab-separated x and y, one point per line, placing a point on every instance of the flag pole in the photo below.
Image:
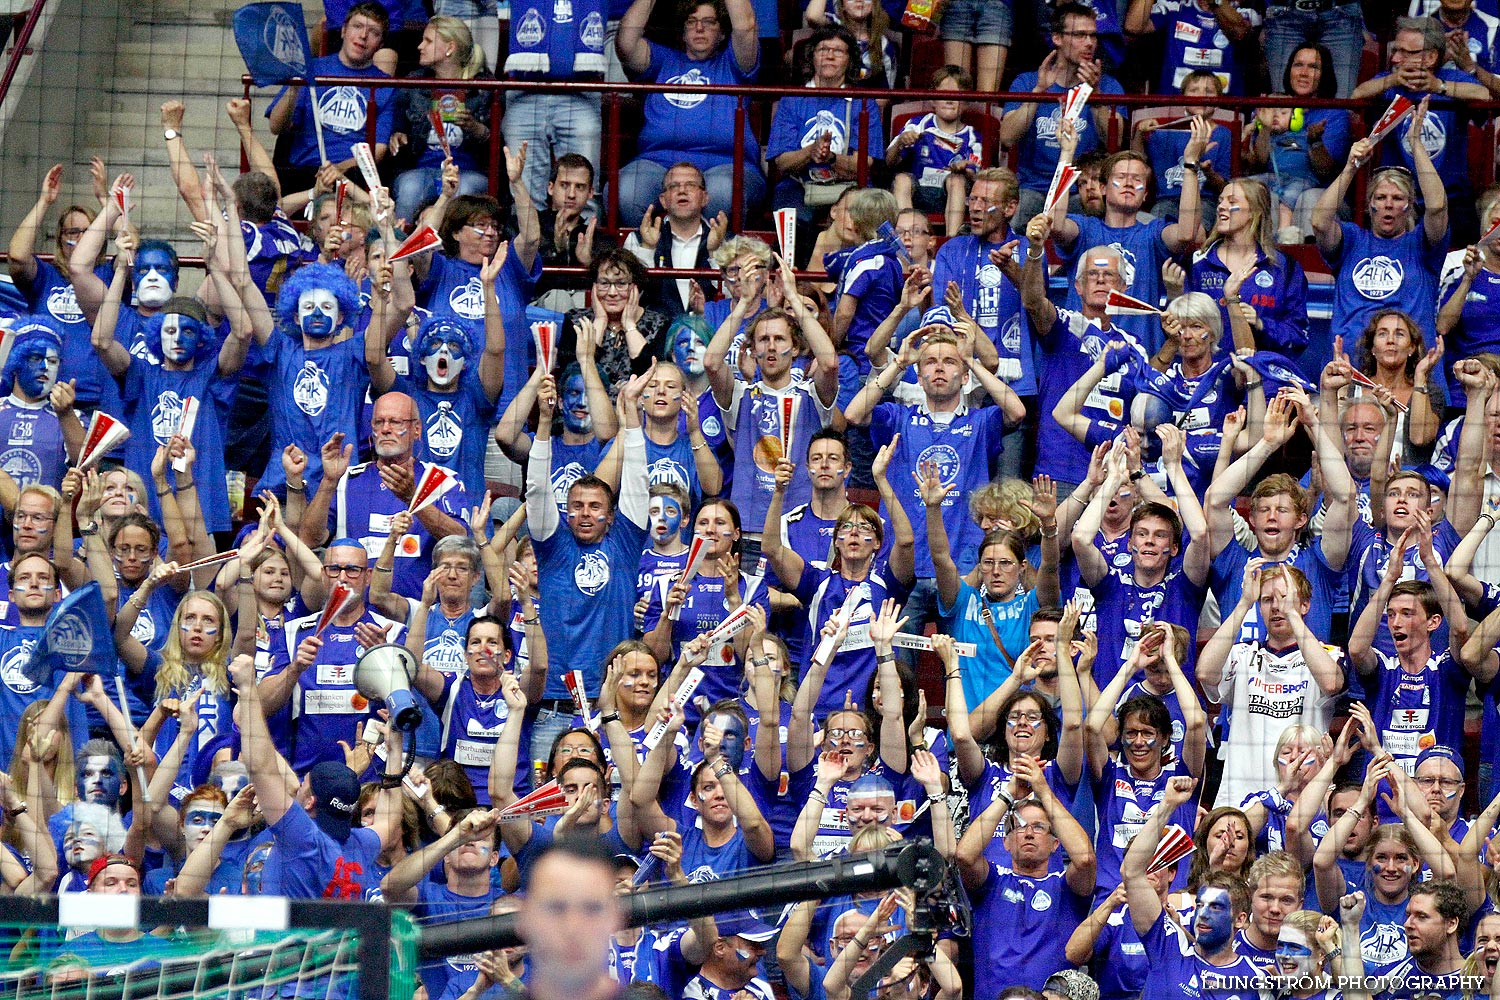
140	769
312	93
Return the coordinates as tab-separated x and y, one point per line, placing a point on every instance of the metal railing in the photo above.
20	48
615	95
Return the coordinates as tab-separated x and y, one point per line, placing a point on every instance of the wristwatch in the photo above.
170	134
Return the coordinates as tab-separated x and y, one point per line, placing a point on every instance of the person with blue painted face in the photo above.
683	458
458	384
38	424
730	834
663	561
182	360
1201	953
216	831
48	288
319	363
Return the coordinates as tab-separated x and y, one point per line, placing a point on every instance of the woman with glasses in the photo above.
720	45
1394	264
627	336
49	290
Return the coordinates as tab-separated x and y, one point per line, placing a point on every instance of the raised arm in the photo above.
23	241
630	43
1140	895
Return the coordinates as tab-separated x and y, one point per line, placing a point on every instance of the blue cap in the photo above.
939	316
743	923
871	784
1445	753
1434	476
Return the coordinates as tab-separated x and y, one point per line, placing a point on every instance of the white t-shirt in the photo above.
1268	692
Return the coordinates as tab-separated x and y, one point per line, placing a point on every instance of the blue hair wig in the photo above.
28	330
308	277
190	309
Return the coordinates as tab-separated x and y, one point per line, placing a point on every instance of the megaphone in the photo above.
385	673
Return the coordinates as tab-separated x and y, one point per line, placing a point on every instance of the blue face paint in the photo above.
99	780
733	743
36	368
201	819
1213	919
318	313
666	518
575	406
155	277
255	867
181	338
688	352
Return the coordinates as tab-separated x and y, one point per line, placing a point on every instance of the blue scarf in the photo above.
564	41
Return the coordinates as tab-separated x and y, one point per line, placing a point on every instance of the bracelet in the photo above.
89	531
432	813
389	781
862	944
1003	795
1424	390
700	447
885	658
1137	475
296	489
1032	256
1190	165
247	579
609	717
186	486
385	569
938	798
532	621
819	795
18	810
953	676
1254	385
1488	515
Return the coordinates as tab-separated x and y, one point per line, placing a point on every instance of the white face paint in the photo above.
153	289
173	347
1102	261
1294	957
318	312
444	365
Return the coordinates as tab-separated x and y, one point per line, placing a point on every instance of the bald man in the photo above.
360	501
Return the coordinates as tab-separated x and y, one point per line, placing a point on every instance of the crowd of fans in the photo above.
1202	569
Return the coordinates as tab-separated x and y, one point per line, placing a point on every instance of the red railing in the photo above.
615	94
20	48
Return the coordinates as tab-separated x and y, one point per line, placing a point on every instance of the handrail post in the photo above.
862	164
496	142
737	158
22	47
371	117
610	168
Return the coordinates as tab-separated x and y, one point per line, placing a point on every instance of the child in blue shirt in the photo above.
1165	148
937	155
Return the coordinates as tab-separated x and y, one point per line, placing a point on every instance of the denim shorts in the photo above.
979	22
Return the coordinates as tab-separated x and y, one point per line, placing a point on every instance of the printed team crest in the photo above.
468	300
72	640
62	303
532	30
13	668
592	32
592	573
1378	277
342	108
693	78
444	433
284	39
310	389
166	416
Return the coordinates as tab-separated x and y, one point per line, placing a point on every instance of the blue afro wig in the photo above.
28	330
308	277
191	309
442	328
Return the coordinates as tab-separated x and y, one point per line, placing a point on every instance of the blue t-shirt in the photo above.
1039	149
306	863
1277	289
1195	42
32	438
799	121
1289	157
1021	928
1375	273
52	294
873	276
154	400
455	425
1445	135
1227	580
703	610
692	127
964	445
343	111
993	301
363	507
1177	971
1142	251
1126	609
1166	148
1478	326
317	394
823	592
930	161
1068	350
452	289
17	693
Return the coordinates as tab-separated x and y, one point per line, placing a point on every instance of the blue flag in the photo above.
77	637
272	38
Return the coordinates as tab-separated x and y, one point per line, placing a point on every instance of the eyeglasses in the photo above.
621	285
73	232
32	517
1030	718
1430	782
998	564
343	569
852	734
133	550
1040	829
570	751
682	186
392	423
832	50
701	22
484	230
914	232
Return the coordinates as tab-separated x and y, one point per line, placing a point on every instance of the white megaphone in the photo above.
385	673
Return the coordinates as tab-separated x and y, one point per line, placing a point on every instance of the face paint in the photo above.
1120	186
666	518
733	742
255	867
1293	955
155	277
180	336
743	954
575	406
200	819
82	844
1213	919
318	313
230	781
99	780
208	630
36	369
1102	261
443	357
688	352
